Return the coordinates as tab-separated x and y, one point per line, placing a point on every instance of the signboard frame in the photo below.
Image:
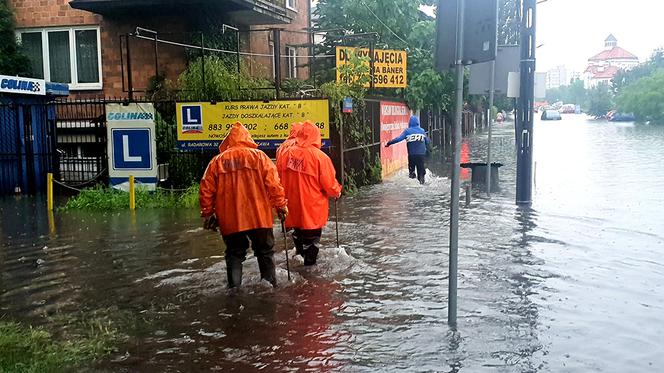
125	119
216	119
390	71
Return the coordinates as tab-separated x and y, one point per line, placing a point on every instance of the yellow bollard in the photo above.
49	191
132	193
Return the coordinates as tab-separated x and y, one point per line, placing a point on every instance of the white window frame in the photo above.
292	5
74	85
291	61
270	46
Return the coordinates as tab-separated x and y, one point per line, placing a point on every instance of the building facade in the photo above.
557	77
604	66
78	42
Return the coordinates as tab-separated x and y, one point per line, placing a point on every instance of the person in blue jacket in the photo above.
418	146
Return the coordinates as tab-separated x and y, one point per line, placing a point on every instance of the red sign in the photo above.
394	118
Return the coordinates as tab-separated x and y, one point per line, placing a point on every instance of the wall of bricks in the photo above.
291	35
172	60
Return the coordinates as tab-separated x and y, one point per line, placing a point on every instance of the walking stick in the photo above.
283	230
336	219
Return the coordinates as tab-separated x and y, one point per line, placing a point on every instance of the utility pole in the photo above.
456	171
524	120
492	89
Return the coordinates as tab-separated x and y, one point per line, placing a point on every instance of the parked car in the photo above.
614	116
551	115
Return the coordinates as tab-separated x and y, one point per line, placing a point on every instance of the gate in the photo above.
27	145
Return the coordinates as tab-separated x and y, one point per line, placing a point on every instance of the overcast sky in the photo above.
574	30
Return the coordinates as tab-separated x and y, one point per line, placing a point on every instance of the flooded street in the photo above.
573	284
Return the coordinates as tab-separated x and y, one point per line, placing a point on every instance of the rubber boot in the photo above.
421	179
234	273
411	175
268	269
299	247
310	255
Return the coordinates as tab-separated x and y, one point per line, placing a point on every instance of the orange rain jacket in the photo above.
290	141
241	185
308	177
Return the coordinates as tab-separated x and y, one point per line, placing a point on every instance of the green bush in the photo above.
645	98
221	83
107	199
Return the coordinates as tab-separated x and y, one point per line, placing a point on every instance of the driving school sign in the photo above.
203	125
389	65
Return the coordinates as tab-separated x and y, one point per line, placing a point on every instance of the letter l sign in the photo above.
125	151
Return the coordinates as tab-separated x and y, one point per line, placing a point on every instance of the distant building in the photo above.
574	75
603	66
557	77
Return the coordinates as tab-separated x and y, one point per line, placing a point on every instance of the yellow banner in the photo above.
204	125
390	66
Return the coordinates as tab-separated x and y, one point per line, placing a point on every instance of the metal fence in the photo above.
82	145
27	145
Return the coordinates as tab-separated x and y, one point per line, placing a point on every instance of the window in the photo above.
291	58
291	4
65	55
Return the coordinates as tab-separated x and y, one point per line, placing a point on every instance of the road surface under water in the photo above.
573	284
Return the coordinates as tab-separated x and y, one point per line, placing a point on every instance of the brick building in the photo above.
78	42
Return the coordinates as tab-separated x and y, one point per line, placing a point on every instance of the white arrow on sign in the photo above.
125	151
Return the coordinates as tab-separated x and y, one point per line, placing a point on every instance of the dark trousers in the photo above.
416	162
262	243
307	242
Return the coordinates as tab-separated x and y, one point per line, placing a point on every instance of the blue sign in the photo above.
192	119
131	149
348	105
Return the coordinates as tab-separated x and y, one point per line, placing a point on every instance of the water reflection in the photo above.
573	284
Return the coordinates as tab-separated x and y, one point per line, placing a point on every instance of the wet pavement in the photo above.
574	284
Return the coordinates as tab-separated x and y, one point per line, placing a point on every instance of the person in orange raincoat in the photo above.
238	191
290	141
309	180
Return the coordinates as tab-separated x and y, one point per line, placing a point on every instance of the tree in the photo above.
599	100
575	93
401	25
509	22
645	98
12	61
626	77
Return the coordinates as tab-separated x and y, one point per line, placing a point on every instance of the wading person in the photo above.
290	141
417	143
309	180
238	191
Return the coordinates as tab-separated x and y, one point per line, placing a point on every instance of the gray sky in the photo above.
574	30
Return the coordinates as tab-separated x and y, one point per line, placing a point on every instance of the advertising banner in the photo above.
132	147
390	66
23	86
203	125
394	118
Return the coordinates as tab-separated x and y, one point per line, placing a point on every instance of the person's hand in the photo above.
282	212
210	223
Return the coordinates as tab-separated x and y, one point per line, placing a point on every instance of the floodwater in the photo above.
573	284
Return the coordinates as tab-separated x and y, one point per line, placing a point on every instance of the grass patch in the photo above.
27	349
109	199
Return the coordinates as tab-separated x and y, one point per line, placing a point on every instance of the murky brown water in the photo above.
575	284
